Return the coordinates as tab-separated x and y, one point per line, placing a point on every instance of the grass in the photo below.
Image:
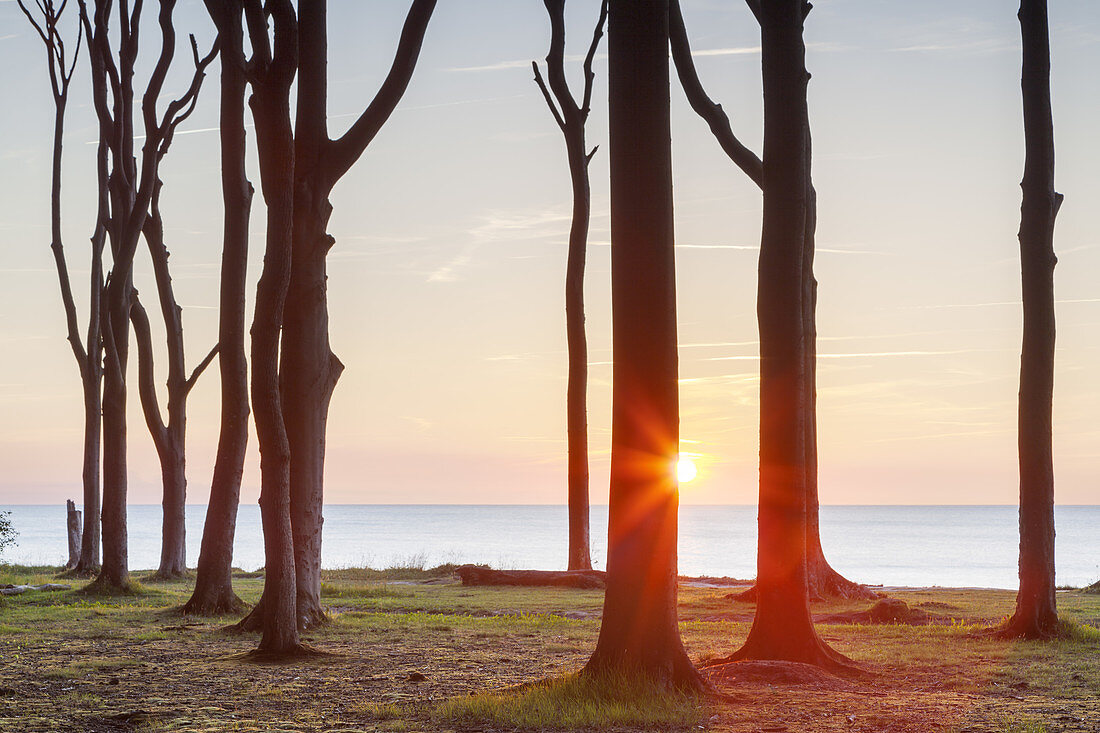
577	702
108	655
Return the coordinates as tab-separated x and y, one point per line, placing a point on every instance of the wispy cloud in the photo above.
858	355
997	303
577	58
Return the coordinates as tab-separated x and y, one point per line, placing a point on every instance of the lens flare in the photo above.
685	469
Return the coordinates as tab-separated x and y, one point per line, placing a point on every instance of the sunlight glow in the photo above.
685	469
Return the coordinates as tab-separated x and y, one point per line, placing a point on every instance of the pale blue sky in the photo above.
447	276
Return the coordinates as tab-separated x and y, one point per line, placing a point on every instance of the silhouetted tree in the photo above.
1036	615
571	119
782	626
308	369
169	438
271	73
131	189
823	580
87	351
640	632
214	580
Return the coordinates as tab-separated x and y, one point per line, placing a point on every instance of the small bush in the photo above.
7	532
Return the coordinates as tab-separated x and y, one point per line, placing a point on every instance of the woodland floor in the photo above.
70	662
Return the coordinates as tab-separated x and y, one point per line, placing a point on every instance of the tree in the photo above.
130	193
571	119
88	350
1036	614
214	580
823	580
308	370
782	627
640	631
271	73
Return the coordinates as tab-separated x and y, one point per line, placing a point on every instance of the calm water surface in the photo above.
891	545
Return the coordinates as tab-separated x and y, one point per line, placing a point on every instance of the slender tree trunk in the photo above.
576	390
782	627
640	632
1036	614
274	65
89	541
280	627
214	581
571	118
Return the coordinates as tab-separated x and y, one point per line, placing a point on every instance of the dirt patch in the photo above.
774	673
885	611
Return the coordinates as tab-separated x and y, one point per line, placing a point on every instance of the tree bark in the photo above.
1036	614
214	581
782	627
639	632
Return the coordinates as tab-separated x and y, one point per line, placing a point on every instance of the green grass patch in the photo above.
577	702
335	590
83	667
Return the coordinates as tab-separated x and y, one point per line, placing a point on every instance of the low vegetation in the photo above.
414	650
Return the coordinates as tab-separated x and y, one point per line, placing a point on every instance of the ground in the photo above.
403	642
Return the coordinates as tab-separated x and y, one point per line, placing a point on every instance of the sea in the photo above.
948	546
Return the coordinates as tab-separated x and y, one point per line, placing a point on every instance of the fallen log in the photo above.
483	575
14	590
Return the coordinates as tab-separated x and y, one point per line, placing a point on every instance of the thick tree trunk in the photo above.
214	580
1036	614
640	632
782	627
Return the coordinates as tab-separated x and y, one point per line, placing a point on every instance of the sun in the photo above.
685	469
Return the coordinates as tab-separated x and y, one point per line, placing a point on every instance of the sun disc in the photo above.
685	469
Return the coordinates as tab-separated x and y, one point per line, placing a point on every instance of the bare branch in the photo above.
342	153
546	95
754	6
190	383
589	75
703	105
147	391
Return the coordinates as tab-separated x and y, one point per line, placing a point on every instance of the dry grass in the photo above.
71	661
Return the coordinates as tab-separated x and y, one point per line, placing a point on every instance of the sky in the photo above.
447	278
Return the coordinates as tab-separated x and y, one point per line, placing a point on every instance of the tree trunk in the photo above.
639	632
89	541
270	103
782	627
823	580
1036	614
214	581
72	531
576	390
114	573
173	545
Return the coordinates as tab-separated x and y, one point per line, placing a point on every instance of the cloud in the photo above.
999	303
576	58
